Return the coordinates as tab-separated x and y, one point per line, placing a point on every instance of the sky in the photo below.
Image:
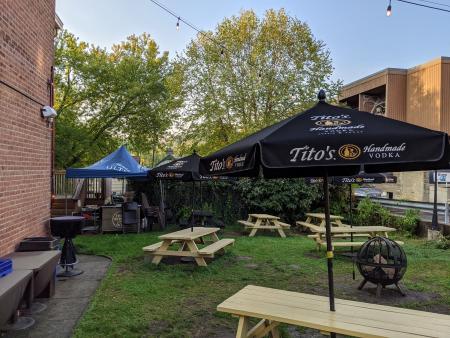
360	37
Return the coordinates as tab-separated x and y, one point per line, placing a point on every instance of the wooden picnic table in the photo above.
357	319
320	218
257	222
371	231
188	239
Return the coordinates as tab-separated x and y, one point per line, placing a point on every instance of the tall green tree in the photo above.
247	74
129	94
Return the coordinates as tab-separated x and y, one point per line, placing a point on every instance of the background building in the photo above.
419	95
27	31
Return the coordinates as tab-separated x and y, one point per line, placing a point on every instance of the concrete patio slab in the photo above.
71	299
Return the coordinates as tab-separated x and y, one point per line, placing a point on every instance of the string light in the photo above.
422	4
219	44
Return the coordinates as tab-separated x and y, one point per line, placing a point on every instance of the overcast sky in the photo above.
361	39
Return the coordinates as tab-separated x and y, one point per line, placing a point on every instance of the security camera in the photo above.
48	113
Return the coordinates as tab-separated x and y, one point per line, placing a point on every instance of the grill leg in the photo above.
379	287
361	285
400	290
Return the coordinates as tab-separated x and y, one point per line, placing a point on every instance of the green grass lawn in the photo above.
138	299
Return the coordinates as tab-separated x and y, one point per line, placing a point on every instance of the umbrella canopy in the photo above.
184	169
330	140
118	164
362	178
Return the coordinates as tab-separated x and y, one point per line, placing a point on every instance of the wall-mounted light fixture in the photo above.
49	114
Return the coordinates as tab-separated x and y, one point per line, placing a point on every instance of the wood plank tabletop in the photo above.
264	216
355	229
350	318
322	215
187	234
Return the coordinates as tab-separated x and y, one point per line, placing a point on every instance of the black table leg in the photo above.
68	260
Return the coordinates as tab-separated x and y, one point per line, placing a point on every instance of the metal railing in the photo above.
426	207
72	187
63	186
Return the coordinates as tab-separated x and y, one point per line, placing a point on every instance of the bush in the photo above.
409	222
370	213
288	198
443	243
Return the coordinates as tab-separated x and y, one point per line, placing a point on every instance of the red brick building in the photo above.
27	31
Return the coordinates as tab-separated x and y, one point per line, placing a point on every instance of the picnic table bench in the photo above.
371	231
257	222
187	239
357	319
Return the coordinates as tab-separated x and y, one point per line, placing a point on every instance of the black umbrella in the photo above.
185	169
329	140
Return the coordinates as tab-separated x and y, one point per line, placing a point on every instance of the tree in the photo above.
247	74
127	95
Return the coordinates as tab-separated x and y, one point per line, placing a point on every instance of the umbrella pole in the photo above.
434	220
201	196
351	226
329	245
192	213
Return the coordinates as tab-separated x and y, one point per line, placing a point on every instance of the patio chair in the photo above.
214	222
130	216
153	214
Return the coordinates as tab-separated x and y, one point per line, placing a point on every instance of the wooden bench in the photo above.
153	247
269	224
350	244
351	318
305	224
284	225
247	223
216	246
342	235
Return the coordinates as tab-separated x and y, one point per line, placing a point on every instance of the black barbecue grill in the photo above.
382	262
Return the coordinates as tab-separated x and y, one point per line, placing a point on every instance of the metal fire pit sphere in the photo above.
381	261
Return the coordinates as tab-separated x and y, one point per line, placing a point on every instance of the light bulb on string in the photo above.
389	9
178	24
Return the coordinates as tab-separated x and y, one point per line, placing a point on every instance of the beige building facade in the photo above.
418	95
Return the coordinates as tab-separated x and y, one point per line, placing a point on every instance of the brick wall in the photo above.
26	57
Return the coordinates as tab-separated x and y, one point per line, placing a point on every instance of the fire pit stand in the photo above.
382	262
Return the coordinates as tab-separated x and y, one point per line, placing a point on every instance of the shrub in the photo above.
410	221
370	213
288	198
443	243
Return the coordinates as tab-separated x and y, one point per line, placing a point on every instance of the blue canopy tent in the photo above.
119	164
